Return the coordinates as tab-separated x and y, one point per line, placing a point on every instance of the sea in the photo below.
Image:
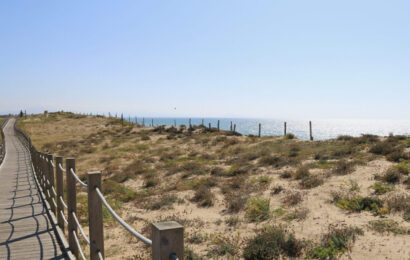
322	129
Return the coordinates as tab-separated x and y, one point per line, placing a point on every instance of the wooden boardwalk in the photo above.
26	231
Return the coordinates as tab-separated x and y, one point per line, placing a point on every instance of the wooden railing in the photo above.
167	237
3	141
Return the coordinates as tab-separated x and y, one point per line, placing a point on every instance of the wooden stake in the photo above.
167	240
95	215
218	125
60	192
284	129
310	130
259	133
71	205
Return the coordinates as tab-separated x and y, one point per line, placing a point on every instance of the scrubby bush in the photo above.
164	201
335	242
392	176
204	197
292	198
270	160
383	148
258	209
381	188
235	202
343	167
272	243
388	225
302	172
311	181
359	203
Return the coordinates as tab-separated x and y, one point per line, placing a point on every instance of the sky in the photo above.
207	58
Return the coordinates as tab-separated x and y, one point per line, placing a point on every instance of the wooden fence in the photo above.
167	237
3	141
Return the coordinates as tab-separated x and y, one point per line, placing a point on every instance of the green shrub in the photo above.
382	188
235	202
270	160
383	148
343	167
204	197
335	242
290	136
397	156
272	243
302	172
358	203
164	201
392	176
258	209
388	225
311	181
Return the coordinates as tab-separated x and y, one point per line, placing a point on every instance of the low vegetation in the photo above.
227	189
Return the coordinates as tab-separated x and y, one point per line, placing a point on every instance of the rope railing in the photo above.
63	217
77	179
62	202
61	167
49	174
80	228
78	245
121	221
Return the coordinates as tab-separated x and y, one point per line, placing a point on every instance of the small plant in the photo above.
398	203
286	175
392	176
311	181
302	172
235	202
297	214
290	136
354	186
343	167
335	242
270	161
382	188
262	180
204	197
272	242
164	201
359	203
232	221
224	245
258	209
292	199
388	225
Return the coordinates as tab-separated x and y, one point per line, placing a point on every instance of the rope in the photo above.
78	245
61	167
62	202
64	219
78	179
54	191
54	202
52	164
121	221
100	255
80	228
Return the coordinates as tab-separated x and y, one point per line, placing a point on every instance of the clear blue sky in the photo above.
276	59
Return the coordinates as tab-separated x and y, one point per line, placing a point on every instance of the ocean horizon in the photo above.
322	129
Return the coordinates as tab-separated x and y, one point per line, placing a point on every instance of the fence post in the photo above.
284	129
95	217
231	126
60	191
234	128
218	125
167	240
259	133
71	205
190	125
52	183
209	126
310	130
152	122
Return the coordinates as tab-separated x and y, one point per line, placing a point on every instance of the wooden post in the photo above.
190	125
95	216
122	120
234	128
175	123
209	126
152	122
259	132
71	205
143	123
310	130
284	129
52	182
167	240
218	125
60	191
231	126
